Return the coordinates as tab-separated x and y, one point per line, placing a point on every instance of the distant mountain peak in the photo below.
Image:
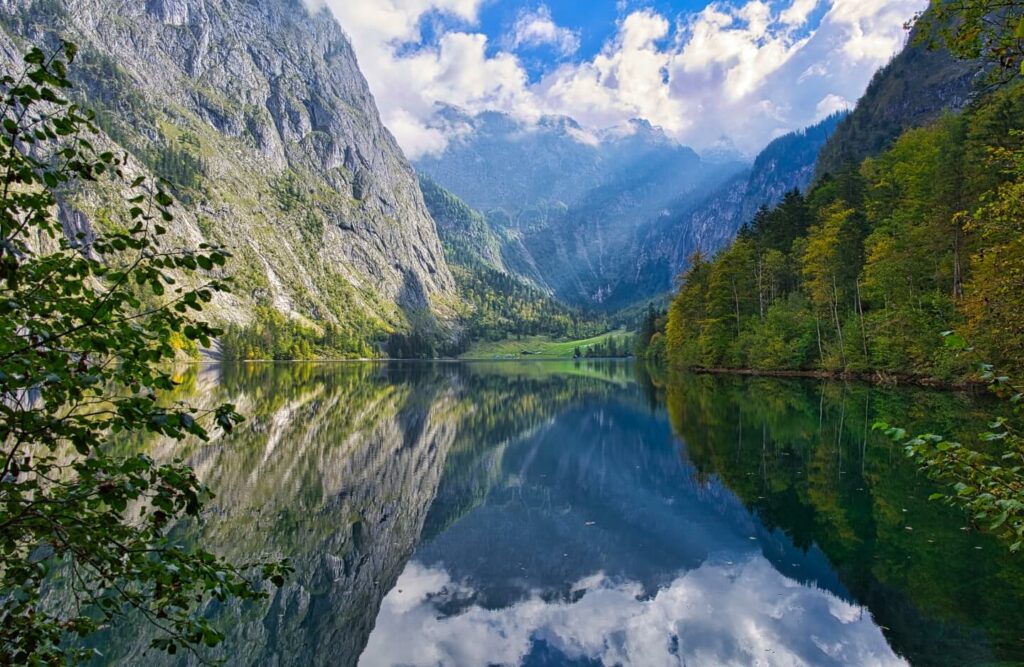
723	151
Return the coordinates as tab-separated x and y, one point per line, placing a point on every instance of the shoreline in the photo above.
439	360
876	378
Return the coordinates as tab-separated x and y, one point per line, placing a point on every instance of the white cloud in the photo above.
625	80
538	28
718	614
830	104
749	69
798	12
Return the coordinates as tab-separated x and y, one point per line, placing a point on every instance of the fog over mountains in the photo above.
606	219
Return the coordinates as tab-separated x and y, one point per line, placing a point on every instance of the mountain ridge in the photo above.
260	117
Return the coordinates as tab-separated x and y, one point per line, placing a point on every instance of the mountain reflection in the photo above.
336	467
576	513
598	544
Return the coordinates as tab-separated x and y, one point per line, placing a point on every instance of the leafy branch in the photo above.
88	324
987	479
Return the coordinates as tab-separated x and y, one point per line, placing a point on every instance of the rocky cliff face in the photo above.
259	115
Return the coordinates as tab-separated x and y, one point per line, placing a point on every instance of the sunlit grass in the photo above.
539	347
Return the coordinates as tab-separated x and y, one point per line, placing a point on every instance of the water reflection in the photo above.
720	613
569	513
597	544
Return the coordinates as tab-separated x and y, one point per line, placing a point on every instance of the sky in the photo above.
731	73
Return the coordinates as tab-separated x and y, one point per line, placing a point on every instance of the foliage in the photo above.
498	304
652	322
913	89
615	343
994	298
802	457
986	479
271	335
501	305
863	272
989	29
86	326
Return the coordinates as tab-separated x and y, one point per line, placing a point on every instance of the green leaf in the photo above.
954	341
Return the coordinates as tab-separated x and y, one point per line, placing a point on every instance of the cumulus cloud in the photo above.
750	69
625	80
798	12
537	28
718	614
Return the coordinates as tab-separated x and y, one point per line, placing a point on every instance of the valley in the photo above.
614	344
401	333
339	249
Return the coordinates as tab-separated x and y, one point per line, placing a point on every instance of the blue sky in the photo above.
592	21
734	71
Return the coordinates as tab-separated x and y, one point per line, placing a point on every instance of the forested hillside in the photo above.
495	302
865	272
785	164
915	88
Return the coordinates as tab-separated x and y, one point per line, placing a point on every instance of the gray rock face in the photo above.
286	159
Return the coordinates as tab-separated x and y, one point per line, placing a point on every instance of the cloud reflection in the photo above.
721	613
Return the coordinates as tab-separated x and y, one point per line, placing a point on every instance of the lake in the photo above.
564	513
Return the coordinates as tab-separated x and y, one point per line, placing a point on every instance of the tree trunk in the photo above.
958	288
863	331
835	313
736	300
817	328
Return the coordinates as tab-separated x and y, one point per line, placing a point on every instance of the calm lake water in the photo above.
576	514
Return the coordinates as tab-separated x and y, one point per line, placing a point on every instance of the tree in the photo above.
730	298
687	313
992	30
87	326
646	329
994	297
821	264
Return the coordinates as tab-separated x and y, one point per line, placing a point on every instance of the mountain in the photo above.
886	244
464	231
259	116
569	208
496	302
915	88
786	164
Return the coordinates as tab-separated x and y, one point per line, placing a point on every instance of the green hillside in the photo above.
542	347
